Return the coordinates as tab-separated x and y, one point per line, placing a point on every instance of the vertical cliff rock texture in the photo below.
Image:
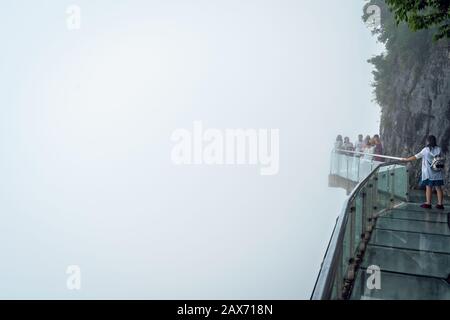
420	106
412	86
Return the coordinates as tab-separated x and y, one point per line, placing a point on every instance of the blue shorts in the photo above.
432	183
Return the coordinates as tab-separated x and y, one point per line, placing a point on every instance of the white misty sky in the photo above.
86	118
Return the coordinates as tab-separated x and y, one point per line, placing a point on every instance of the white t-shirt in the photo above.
427	157
370	150
359	146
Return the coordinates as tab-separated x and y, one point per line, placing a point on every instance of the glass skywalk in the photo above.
383	245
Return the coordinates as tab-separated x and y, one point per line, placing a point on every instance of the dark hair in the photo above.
376	136
431	142
339	138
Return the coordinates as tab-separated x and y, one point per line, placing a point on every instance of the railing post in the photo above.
407	184
352	231
331	162
392	187
359	164
346	174
375	190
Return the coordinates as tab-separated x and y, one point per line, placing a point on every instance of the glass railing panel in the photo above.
383	190
383	179
355	169
392	185
336	291
400	182
336	163
365	168
343	162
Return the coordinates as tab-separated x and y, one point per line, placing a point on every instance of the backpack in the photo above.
438	163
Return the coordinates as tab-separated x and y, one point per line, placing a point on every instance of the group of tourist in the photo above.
367	145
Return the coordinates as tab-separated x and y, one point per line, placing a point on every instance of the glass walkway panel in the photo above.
383	246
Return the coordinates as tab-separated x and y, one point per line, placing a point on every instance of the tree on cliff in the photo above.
423	14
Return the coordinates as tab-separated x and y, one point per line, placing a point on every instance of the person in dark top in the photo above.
378	147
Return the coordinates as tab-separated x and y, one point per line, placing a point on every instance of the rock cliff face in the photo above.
412	86
420	106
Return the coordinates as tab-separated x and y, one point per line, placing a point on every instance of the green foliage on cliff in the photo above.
423	14
405	50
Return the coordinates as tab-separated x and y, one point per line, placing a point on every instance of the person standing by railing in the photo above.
359	145
432	173
366	141
369	148
378	147
348	146
338	144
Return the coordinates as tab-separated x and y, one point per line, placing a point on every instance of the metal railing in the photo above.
385	186
368	154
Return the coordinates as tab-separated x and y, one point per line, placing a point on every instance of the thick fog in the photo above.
88	117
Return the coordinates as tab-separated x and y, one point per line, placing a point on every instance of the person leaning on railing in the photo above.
432	171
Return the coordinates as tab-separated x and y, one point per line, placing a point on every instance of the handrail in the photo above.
370	154
323	285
